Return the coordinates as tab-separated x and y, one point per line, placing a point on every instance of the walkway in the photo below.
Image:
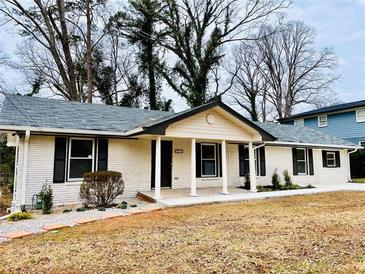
56	221
241	195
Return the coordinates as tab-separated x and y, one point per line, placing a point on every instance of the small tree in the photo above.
46	196
287	178
276	180
101	188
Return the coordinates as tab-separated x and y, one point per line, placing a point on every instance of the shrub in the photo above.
80	209
67	210
275	180
247	182
260	188
287	178
17	216
101	188
46	196
122	205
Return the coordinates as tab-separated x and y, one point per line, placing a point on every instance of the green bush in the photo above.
46	196
67	210
123	205
292	186
276	180
80	209
260	188
247	182
287	178
17	216
101	188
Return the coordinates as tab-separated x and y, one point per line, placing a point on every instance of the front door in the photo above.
166	163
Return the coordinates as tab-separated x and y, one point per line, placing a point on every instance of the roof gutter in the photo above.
70	131
312	145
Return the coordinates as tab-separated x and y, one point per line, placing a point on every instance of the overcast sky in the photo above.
340	24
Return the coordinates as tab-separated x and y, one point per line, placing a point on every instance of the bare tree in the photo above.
196	34
294	72
249	86
58	46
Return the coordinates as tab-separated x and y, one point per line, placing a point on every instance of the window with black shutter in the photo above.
331	159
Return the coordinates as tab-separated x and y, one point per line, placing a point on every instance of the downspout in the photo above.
349	162
25	166
262	145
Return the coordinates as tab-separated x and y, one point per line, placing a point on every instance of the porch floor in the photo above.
181	197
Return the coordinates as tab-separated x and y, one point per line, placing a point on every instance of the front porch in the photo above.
180	197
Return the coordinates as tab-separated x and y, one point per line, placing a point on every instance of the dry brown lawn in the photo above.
307	234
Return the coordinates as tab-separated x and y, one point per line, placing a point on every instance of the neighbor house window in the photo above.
208	160
299	122
301	161
360	115
81	157
322	121
331	159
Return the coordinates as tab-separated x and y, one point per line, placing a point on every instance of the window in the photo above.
81	157
322	121
301	161
331	159
246	163
360	115
209	161
299	122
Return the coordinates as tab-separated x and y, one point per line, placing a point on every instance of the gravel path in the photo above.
35	225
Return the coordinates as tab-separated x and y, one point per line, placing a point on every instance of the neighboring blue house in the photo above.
346	121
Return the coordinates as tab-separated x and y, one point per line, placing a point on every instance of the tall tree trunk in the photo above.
89	62
66	49
151	77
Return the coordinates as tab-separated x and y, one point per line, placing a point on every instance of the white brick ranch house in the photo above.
208	146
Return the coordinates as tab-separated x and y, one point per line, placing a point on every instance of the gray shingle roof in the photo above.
51	113
323	110
303	135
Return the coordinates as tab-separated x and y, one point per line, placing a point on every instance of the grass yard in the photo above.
308	234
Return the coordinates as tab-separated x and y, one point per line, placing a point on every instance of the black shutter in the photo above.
219	160
102	154
324	158
295	164
59	173
310	158
241	159
338	159
262	161
198	158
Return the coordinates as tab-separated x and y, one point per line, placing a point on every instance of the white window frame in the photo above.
69	158
305	161
319	121
299	122
358	119
208	159
334	158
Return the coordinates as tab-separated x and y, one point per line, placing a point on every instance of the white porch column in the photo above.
25	167
193	169
158	169
251	154
224	169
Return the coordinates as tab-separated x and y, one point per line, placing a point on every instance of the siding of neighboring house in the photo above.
342	125
133	159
